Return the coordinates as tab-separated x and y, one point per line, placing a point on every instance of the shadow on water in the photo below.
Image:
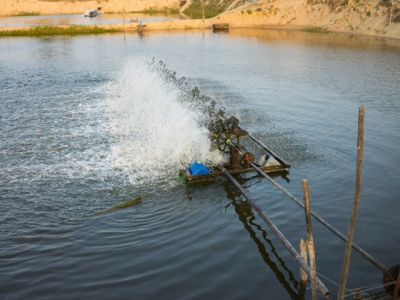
295	289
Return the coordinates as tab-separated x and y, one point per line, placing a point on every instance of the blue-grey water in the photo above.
86	124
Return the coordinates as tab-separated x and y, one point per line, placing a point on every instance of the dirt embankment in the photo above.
370	17
52	7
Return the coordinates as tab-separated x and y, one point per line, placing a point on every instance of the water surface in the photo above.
86	124
80	19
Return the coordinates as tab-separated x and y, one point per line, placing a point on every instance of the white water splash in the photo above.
155	134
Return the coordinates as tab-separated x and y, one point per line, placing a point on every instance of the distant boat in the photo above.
92	13
221	26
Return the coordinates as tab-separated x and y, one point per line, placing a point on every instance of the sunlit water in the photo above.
88	122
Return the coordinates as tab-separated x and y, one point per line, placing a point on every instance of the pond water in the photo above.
87	123
53	20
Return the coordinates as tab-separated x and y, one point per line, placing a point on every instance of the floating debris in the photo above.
122	205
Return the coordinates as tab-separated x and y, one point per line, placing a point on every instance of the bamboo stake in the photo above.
122	205
304	255
356	202
278	234
367	256
310	242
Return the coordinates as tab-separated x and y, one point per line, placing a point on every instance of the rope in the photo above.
363	290
316	216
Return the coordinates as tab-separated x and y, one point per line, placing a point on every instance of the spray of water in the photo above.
155	123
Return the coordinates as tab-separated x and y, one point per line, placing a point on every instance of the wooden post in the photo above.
322	288
234	157
303	253
367	256
356	202
202	8
357	294
310	242
395	294
391	13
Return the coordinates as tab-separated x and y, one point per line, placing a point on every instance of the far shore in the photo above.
370	20
187	25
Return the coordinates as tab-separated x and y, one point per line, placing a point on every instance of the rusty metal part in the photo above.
224	138
225	131
389	278
247	157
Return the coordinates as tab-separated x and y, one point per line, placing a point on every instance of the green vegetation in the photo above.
27	13
152	11
166	10
249	11
57	30
316	29
212	8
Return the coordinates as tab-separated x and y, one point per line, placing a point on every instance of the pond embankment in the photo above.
368	17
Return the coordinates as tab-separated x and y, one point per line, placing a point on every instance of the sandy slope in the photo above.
12	7
362	17
358	16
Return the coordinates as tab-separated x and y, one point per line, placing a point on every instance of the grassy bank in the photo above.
149	11
316	29
212	8
57	30
27	14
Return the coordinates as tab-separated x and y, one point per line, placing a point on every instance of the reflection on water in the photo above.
270	256
21	21
340	40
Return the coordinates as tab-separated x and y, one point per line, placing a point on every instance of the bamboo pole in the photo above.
367	256
122	205
310	242
278	234
356	202
304	255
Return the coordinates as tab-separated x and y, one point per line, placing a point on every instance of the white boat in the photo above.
92	13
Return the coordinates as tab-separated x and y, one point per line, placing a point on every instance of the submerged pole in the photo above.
376	263
356	203
278	234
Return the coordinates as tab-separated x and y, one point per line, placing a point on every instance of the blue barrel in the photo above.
198	168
